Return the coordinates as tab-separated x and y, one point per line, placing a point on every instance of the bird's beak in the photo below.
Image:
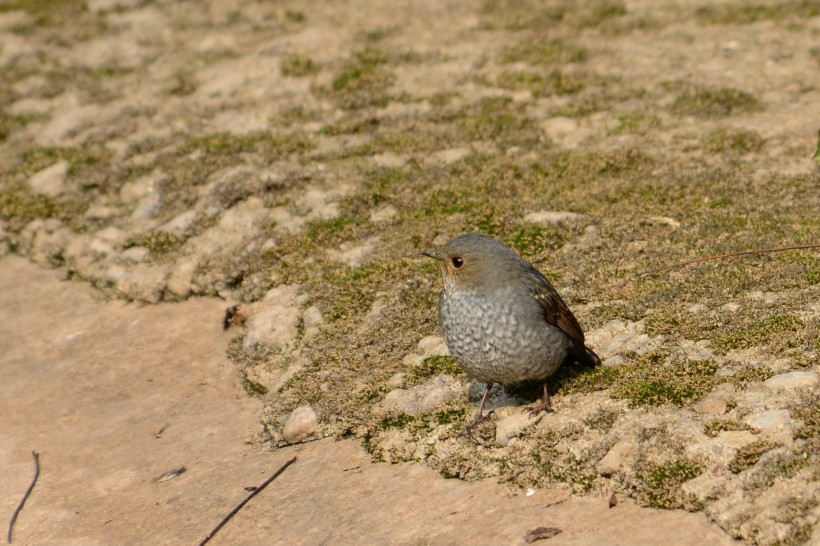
432	254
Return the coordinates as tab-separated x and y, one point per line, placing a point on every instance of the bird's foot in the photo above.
543	405
478	419
537	409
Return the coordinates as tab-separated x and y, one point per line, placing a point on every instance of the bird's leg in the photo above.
479	416
544	405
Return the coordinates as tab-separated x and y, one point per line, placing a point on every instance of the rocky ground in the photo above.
295	157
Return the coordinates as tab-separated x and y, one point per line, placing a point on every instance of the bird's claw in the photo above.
537	410
479	418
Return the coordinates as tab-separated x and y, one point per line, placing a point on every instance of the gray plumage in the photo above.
502	319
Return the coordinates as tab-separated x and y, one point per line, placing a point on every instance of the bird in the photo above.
503	321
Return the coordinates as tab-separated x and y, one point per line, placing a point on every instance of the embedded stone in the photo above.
552	217
301	424
50	181
433	345
769	421
616	458
792	380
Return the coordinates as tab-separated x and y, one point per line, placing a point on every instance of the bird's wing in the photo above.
556	311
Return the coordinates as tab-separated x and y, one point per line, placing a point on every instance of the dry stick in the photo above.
244	502
28	492
731	255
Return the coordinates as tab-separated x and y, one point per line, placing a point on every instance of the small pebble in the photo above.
301	424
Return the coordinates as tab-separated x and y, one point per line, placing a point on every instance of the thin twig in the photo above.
730	255
244	502
159	433
303	442
28	492
553	503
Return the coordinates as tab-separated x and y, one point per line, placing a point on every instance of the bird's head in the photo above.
474	262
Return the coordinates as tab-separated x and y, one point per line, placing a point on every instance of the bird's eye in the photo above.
457	262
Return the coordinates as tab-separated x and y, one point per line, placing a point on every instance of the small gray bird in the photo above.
502	319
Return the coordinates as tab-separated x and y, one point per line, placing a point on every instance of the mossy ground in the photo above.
373	115
658	484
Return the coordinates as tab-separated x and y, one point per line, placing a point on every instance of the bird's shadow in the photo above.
570	373
524	390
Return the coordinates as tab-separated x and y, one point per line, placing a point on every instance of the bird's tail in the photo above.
586	356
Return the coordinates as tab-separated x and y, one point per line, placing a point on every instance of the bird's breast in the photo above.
500	336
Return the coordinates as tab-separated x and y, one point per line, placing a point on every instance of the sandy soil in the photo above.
89	385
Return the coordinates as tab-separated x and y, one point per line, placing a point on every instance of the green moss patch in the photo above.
797	513
534	15
733	141
159	243
651	382
217	148
47	12
738	13
577	472
542	85
748	455
298	66
635	124
533	240
712	102
751	374
362	81
780	330
19	206
716	426
35	159
543	52
433	366
806	413
602	420
498	120
10	123
658	485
